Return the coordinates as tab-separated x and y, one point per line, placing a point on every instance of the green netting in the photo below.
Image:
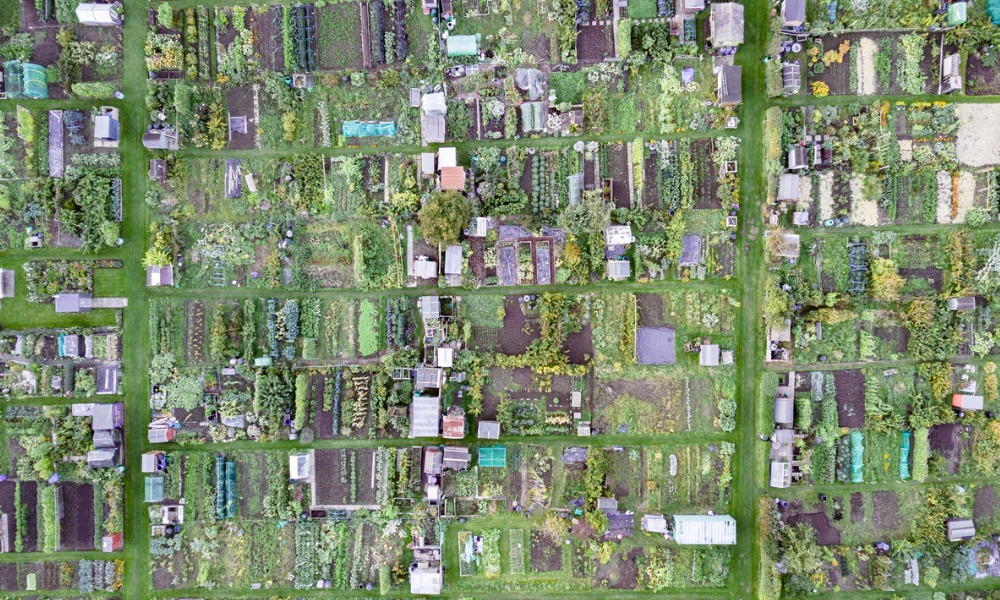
993	10
25	80
904	456
368	128
857	457
231	506
463	45
220	487
495	456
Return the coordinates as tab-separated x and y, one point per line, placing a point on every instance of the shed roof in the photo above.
103	458
425	416
447	157
151	461
488	430
72	302
654	523
791	76
430	307
428	378
427	166
655	346
703	530
107	379
434	104
619	270
960	529
618	235
967	401
106	127
798	157
456	457
793	12
730	84
788	187
784	411
453	260
107	416
454	427
726	21
425	269
157	169
781	474
299	466
453	178
92	13
691	254
709	356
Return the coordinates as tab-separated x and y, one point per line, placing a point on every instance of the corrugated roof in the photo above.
705	530
425	416
453	178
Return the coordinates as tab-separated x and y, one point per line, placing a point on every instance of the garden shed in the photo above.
430	308
107	379
92	13
428	378
654	523
962	303
425	416
619	270
788	188
107	416
607	504
709	355
111	543
160	139
618	235
967	402
798	158
160	435
462	45
705	530
70	345
154	462
457	458
72	303
488	430
791	77
655	346
453	260
427	164
960	529
424	268
154	488
691	252
493	457
300	466
730	84
447	157
107	438
453	426
784	410
106	127
452	179
103	458
725	23
157	275
433	463
793	12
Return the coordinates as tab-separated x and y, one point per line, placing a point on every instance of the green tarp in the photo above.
957	14
495	456
463	45
857	457
368	128
904	456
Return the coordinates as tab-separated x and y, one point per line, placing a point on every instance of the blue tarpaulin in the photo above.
368	128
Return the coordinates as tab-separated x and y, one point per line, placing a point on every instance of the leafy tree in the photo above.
801	553
443	216
591	214
887	283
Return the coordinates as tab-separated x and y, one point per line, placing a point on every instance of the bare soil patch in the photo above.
886	515
621	572
594	43
984	506
850	397
857	507
333	477
517	333
546	555
945	439
826	533
77	525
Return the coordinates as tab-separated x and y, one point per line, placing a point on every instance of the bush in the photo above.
96	89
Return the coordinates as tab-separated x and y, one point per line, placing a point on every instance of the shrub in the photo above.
301	400
820	89
95	89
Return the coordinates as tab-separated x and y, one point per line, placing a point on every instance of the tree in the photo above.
443	216
802	555
591	214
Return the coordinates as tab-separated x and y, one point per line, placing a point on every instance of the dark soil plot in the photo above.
928	280
546	555
826	533
857	507
981	80
8	577
580	346
619	169
984	506
194	332
621	572
338	472
323	419
650	182
29	498
239	101
267	35
7	508
896	338
650	308
77	525
946	440
706	175
594	43
513	339
850	397
885	514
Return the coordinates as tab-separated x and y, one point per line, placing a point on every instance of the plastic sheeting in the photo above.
904	455
368	129
857	457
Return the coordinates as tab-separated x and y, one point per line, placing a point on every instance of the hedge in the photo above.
97	89
921	450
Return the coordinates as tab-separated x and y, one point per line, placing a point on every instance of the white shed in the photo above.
300	466
92	13
705	530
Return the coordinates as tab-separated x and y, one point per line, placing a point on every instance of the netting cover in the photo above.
368	128
857	457
904	455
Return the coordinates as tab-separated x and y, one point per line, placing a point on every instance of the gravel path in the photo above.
867	77
826	195
863	211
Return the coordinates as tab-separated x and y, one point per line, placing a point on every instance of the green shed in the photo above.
154	488
25	80
494	456
463	45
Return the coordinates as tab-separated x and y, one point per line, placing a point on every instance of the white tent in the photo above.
91	13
